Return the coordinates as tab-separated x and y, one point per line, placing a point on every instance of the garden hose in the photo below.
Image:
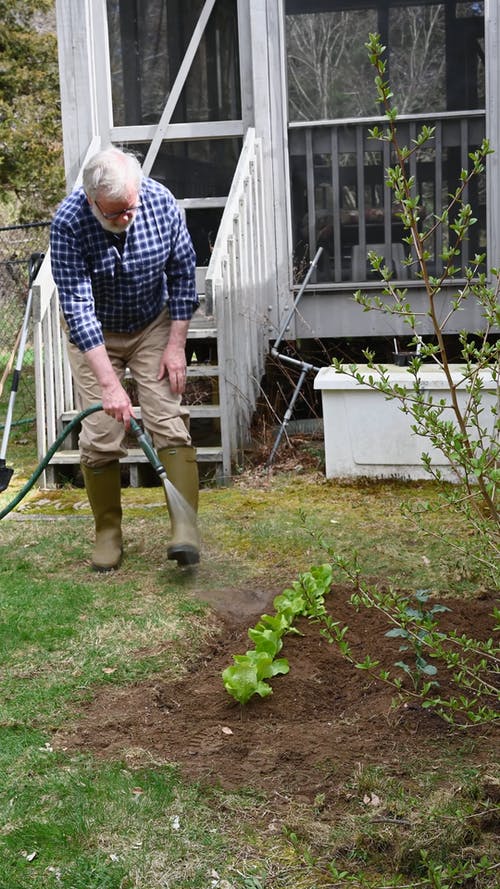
142	437
27	421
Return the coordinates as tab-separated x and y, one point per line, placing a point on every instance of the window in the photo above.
148	40
435	56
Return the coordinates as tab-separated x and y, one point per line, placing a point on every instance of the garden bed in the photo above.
323	720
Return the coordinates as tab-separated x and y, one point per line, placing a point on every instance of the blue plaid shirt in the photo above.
106	286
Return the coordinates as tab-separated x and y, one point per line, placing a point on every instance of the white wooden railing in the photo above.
53	381
239	290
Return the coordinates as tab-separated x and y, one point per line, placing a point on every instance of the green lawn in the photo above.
77	822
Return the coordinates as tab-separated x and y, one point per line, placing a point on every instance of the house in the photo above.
257	115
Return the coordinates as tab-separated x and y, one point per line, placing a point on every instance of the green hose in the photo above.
25	422
48	457
142	437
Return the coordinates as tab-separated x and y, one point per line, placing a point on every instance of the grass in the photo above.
107	826
263	528
76	822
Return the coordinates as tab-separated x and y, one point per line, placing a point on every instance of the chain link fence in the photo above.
18	243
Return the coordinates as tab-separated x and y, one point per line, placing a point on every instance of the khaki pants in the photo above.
166	419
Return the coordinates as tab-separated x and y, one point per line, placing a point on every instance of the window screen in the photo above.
148	40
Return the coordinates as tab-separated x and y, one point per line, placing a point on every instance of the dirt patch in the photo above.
306	739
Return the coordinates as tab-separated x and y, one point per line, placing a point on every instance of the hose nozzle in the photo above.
146	444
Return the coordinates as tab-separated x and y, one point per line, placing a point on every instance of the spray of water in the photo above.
179	506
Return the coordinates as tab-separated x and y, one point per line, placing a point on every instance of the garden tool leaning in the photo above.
6	473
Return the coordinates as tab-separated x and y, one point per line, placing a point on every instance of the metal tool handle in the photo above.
35	262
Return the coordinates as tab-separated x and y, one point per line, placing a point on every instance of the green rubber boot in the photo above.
103	487
182	472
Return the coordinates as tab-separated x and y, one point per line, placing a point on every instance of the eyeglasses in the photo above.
119	213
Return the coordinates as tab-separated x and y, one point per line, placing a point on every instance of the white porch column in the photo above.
269	91
492	55
84	79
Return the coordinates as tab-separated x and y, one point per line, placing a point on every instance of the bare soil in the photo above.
305	740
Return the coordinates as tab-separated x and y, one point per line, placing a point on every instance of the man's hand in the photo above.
115	401
173	360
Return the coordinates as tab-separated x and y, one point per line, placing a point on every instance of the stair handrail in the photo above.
239	290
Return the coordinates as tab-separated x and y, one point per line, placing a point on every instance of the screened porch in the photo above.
342	203
435	65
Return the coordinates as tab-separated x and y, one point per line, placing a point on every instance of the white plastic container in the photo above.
367	435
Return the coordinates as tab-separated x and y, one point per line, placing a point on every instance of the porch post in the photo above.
76	83
269	86
492	55
84	76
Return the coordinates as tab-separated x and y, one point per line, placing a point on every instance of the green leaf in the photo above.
241	681
403	666
424	667
397	631
277	622
262	662
268	641
263	689
280	667
367	664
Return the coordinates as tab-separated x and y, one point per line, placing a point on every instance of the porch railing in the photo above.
240	288
53	381
341	202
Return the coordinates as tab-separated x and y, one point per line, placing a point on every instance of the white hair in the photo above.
112	172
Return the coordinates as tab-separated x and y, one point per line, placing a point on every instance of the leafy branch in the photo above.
459	425
472	665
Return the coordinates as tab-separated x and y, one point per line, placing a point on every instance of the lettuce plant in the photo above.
249	672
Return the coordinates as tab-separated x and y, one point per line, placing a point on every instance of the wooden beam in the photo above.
76	84
177	87
492	54
178	132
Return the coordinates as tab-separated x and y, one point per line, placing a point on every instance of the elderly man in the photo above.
124	266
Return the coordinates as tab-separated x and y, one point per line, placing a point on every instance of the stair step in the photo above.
137	455
204	411
195	371
198	411
203	323
199	332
